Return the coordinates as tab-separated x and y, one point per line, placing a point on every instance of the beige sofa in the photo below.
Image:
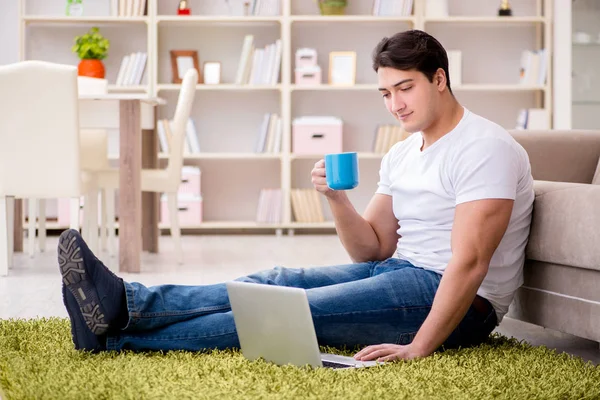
562	271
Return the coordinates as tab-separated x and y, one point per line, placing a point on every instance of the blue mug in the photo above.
341	170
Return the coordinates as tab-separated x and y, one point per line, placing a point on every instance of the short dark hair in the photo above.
412	49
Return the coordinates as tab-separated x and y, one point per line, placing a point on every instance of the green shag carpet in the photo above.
38	361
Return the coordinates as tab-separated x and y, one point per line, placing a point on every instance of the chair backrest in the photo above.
179	124
39	130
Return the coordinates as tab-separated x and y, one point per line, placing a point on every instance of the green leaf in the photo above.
91	45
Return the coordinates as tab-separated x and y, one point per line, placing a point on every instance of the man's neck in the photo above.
449	117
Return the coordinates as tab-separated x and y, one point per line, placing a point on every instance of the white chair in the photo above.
93	157
39	143
165	180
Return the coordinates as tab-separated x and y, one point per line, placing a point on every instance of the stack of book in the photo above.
306	205
398	8
386	136
129	8
269	206
132	69
259	66
165	134
270	134
533	118
265	7
534	67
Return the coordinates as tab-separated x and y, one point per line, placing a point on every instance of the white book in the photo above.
408	7
162	137
130	67
142	8
129	8
262	134
114	8
193	136
261	206
543	70
122	69
122	8
538	119
376	7
267	66
245	54
257	60
278	136
277	68
135	8
139	73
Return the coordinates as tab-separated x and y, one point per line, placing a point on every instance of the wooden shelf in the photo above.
361	155
471	87
311	225
487	20
214	19
325	86
220	156
61	19
229	156
133	88
484	87
230	112
349	18
176	87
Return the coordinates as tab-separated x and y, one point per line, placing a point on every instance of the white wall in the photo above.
9	32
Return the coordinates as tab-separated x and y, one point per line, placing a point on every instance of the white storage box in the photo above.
317	135
189	208
306	57
306	76
190	181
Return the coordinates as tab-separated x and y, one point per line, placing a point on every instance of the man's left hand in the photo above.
389	352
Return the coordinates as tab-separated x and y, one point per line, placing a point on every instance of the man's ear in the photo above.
440	79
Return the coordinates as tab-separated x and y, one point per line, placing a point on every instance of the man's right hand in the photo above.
319	180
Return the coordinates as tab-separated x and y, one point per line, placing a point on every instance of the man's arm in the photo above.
477	231
366	238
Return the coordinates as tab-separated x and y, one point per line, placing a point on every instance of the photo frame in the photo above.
212	72
181	61
342	68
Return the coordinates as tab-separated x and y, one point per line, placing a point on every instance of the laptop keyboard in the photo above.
332	364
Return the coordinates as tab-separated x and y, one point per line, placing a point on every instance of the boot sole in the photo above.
77	281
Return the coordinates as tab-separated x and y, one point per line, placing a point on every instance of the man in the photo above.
437	255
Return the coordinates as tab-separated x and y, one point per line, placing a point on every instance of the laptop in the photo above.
275	323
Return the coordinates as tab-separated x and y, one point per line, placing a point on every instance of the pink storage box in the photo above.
64	211
308	75
317	135
190	210
190	181
306	57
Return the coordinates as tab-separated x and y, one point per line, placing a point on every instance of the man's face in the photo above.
409	97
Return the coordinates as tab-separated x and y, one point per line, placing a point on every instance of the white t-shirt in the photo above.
478	159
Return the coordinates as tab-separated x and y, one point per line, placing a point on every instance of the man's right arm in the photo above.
366	238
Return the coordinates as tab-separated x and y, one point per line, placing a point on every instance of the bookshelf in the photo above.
228	115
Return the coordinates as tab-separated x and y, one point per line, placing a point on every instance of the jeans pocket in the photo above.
406	338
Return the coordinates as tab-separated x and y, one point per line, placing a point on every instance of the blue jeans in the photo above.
352	305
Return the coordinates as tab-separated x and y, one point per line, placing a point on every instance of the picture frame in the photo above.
181	61
211	72
342	68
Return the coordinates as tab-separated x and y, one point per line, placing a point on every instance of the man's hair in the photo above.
412	50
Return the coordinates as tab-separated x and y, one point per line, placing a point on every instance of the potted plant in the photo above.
91	48
332	7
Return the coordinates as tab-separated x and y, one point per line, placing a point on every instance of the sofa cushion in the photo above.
564	229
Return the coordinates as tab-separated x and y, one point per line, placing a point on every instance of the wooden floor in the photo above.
33	287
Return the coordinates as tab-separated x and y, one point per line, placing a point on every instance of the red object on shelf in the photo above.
185	11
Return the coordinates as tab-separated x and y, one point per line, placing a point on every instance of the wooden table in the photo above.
130	113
